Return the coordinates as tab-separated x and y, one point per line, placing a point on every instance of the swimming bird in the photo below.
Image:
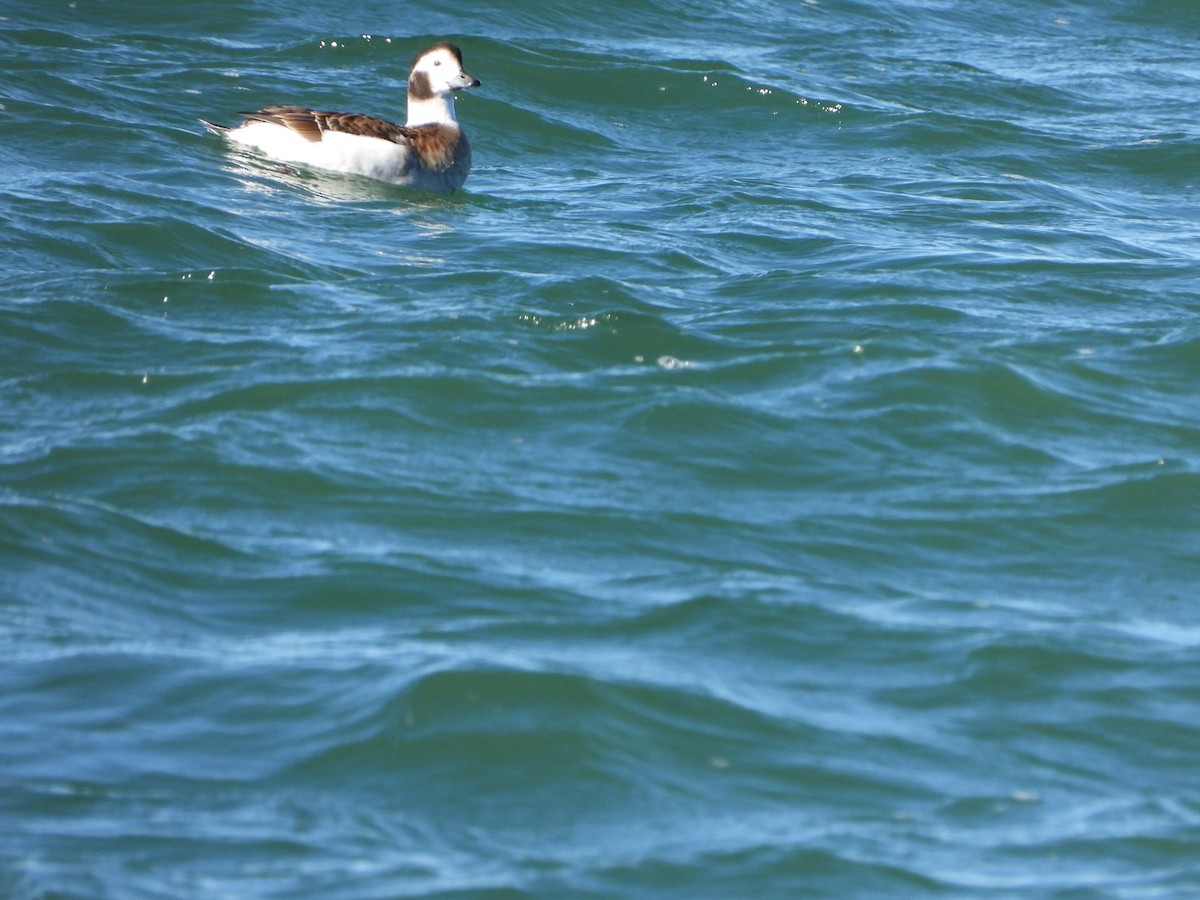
430	151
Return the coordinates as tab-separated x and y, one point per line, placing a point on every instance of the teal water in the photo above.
777	474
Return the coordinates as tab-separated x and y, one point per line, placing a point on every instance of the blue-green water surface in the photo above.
777	474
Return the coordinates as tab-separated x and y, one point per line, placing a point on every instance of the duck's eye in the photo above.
437	62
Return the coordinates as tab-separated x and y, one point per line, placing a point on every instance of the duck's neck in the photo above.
435	110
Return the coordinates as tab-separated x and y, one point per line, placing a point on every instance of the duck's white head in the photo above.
435	75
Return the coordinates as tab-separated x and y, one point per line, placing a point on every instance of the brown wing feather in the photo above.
311	123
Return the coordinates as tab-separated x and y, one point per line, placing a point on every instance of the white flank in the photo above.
336	152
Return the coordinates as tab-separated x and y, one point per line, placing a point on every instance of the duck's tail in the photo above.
219	130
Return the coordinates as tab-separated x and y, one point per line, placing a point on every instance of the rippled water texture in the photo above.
777	474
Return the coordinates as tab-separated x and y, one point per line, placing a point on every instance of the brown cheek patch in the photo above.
418	86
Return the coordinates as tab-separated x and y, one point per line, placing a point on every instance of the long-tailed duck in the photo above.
430	151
